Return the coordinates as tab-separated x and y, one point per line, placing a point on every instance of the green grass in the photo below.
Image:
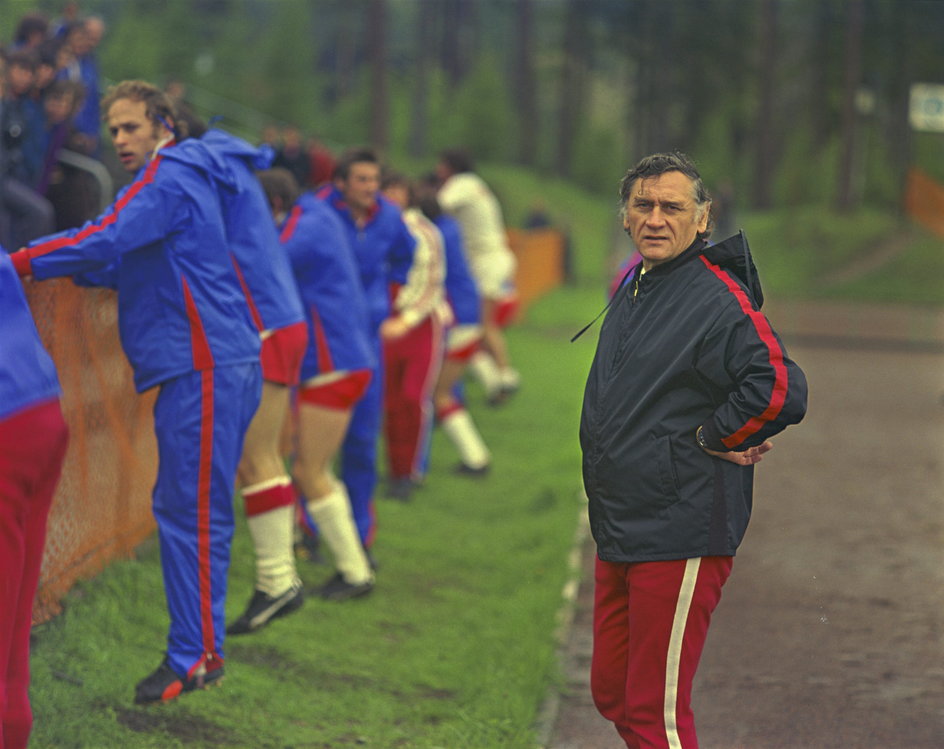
455	648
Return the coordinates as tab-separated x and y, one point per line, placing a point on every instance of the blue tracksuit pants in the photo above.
359	450
200	419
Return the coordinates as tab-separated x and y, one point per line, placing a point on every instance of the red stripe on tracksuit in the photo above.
778	393
203	508
253	309
291	222
203	362
325	362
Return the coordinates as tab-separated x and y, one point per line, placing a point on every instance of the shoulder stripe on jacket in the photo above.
288	231
778	393
147	178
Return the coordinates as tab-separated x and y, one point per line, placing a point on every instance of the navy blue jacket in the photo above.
682	346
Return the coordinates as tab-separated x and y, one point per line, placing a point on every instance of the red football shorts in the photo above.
282	354
340	393
462	341
505	310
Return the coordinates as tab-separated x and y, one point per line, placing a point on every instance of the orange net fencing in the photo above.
102	507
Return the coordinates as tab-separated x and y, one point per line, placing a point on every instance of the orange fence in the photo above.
924	201
540	254
102	508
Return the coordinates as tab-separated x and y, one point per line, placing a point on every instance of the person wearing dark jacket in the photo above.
688	384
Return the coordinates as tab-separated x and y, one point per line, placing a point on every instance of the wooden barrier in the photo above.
102	507
924	201
540	254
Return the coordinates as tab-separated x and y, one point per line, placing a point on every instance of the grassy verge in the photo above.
455	648
799	251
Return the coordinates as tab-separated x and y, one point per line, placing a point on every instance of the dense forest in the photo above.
792	101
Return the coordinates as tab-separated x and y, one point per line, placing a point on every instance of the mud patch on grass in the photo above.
187	728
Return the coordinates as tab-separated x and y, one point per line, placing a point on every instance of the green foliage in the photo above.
480	116
593	158
801	253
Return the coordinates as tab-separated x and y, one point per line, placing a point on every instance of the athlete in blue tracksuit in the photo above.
266	277
383	247
185	328
270	286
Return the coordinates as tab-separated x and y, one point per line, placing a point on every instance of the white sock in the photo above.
462	432
335	522
271	533
486	371
510	378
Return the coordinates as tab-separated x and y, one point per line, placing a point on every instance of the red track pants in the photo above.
650	622
411	366
32	447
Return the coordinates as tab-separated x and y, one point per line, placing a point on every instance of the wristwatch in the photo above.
700	438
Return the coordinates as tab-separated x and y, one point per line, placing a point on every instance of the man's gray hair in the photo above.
660	163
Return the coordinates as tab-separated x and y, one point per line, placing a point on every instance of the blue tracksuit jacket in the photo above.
328	282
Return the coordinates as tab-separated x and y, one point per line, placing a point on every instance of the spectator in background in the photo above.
537	216
383	248
185	330
46	66
321	163
462	339
335	375
81	66
271	137
33	439
31	31
466	196
76	195
412	345
24	213
176	90
291	155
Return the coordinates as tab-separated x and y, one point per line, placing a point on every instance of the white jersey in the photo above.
475	207
424	293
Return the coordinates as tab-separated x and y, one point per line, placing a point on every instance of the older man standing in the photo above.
688	384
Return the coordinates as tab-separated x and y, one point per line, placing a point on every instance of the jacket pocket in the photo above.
642	474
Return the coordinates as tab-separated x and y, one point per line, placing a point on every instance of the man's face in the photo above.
20	79
361	186
134	135
662	217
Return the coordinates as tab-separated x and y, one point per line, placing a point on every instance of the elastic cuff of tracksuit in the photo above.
713	438
22	263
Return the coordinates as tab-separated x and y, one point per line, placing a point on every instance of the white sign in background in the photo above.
927	107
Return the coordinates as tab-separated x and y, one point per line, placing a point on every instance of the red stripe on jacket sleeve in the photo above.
289	229
778	393
44	248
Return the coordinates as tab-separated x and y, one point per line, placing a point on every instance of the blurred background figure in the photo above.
465	195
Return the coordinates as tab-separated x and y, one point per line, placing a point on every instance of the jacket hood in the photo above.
257	157
214	154
734	255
